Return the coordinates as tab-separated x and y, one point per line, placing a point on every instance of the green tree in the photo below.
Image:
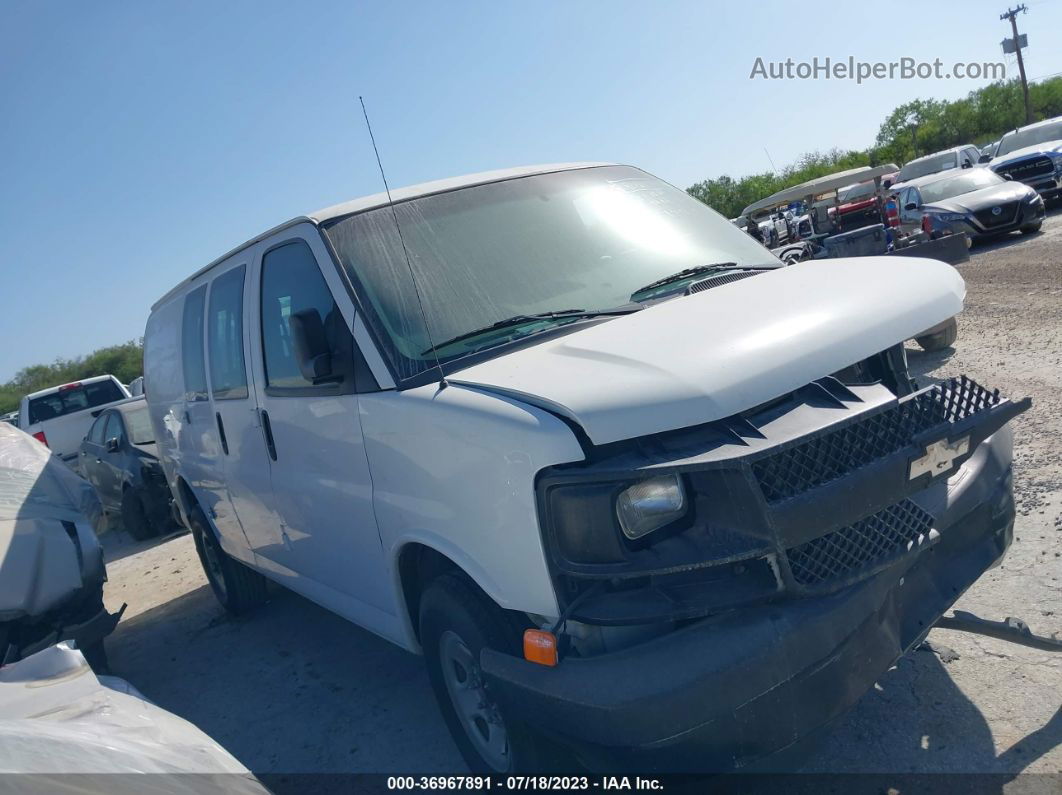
915	128
125	362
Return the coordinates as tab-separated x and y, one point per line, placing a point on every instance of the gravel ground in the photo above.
293	688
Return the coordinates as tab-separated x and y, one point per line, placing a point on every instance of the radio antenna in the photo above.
405	250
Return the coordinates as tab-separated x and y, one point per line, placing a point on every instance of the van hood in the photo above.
705	356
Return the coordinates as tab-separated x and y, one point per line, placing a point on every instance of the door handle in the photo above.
221	433
267	429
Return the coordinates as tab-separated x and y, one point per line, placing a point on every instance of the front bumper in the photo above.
1028	214
732	690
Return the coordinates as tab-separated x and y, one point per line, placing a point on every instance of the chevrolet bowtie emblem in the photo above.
939	456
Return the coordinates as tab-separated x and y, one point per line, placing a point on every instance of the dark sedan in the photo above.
119	458
976	201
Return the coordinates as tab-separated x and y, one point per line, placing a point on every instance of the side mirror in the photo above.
311	348
910	206
984	158
112	444
966	163
886	183
1007	177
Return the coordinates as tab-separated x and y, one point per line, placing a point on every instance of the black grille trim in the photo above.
843	554
832	455
1026	169
1008	215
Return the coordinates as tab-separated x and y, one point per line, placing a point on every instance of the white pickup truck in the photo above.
60	416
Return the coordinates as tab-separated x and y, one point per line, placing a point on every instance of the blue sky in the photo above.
141	140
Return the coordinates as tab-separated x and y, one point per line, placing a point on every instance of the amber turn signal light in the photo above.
540	647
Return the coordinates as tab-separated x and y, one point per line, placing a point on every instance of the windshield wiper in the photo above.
687	273
520	320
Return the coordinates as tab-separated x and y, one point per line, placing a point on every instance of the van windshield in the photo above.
582	239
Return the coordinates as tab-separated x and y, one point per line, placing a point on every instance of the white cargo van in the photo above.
632	487
60	416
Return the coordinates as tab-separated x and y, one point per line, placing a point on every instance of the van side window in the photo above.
228	374
292	282
192	346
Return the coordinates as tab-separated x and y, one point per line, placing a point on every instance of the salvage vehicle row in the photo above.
629	485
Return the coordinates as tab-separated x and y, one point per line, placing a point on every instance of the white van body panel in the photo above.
322	495
185	432
454	469
712	354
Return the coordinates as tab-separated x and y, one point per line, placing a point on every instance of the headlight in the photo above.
949	218
649	505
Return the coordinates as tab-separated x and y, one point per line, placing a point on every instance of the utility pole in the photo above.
1010	15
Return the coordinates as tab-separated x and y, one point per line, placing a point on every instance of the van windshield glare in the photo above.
584	238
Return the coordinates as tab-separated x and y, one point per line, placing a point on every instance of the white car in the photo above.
60	416
965	156
625	481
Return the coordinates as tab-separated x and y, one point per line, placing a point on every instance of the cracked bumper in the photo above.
731	691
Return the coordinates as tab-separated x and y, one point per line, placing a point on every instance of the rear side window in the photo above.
192	346
76	397
292	282
228	375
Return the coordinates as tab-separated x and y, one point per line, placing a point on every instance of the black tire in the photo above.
451	606
1032	229
134	517
236	587
944	338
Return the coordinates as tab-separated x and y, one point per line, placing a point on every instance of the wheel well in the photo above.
418	565
186	499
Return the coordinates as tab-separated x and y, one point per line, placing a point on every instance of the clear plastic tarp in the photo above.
63	729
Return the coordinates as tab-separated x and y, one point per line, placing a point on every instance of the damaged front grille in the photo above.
852	550
819	460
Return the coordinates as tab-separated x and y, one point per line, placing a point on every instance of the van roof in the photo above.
377	200
53	389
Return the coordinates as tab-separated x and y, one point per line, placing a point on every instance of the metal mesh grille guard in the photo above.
843	553
819	460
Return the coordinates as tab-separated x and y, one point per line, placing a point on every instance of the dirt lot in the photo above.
293	688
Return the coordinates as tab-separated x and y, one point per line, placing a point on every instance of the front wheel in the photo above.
1032	229
456	623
